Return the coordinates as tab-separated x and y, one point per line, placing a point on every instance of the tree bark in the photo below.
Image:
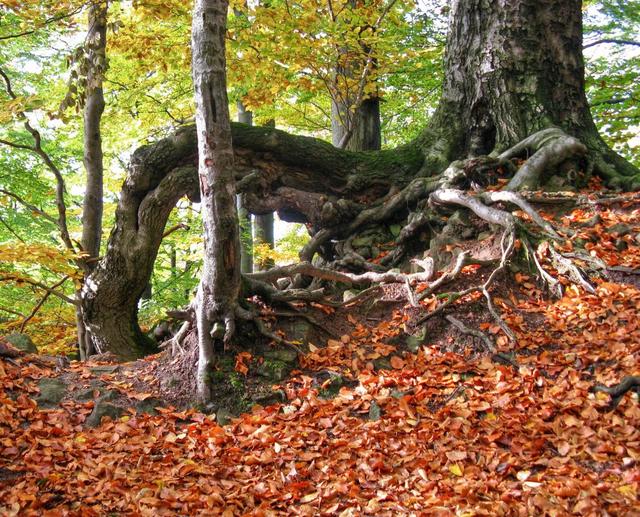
365	125
219	287
263	228
96	43
246	237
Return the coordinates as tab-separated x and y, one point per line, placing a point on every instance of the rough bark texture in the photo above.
263	228
513	67
219	287
96	43
365	123
246	237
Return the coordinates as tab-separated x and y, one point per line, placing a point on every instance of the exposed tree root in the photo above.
488	344
618	391
247	315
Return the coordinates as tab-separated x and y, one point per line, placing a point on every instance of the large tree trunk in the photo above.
366	130
93	196
513	68
217	296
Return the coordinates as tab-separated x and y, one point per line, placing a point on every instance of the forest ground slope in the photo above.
432	425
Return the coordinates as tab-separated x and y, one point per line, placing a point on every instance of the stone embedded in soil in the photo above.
619	230
286	355
52	391
273	370
103	409
148	406
99	370
266	399
84	395
223	416
22	342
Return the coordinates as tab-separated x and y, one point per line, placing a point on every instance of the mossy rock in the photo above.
273	370
22	342
286	355
148	406
52	391
84	395
332	388
103	409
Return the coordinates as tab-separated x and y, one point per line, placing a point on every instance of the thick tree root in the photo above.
618	391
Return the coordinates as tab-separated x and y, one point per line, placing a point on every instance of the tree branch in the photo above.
39	285
614	41
38	150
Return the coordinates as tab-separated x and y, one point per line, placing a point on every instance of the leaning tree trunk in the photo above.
512	68
217	296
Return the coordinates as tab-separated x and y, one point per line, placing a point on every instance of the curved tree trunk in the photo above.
513	68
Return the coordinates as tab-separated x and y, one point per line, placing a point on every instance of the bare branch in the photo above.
614	41
39	285
42	302
29	206
38	150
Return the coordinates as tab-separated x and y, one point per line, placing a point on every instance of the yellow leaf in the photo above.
309	497
455	469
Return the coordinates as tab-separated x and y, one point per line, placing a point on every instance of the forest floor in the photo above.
372	421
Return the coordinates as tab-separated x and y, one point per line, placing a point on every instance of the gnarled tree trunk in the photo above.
513	68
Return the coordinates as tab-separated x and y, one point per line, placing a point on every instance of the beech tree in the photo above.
216	300
513	104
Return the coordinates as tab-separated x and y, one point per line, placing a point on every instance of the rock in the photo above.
286	355
273	370
298	330
374	411
363	241
637	238
102	409
22	342
266	399
148	406
619	230
415	341
621	244
52	391
382	363
223	416
99	370
349	294
84	395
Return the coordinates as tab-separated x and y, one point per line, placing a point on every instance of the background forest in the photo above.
281	57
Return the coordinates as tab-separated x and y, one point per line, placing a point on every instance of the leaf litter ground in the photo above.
441	430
